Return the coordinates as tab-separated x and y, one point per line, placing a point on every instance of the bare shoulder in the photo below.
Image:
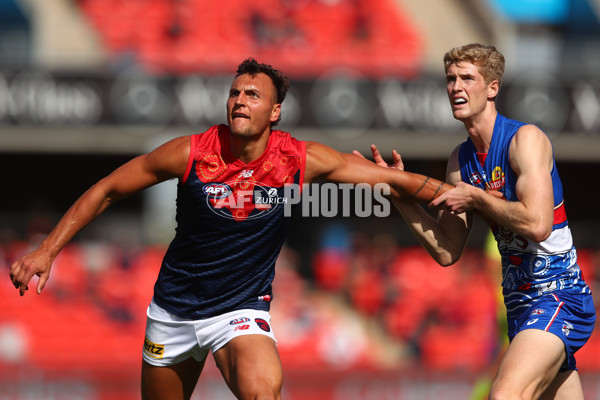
316	149
530	135
453	175
530	145
180	143
454	155
171	157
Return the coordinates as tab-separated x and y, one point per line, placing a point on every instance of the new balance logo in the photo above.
247	173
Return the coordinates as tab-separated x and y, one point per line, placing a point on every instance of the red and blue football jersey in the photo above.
529	269
230	226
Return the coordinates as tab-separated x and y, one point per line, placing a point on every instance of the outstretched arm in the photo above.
443	236
165	162
326	164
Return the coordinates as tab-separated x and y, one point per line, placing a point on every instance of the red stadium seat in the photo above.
331	268
404	318
374	37
450	349
367	292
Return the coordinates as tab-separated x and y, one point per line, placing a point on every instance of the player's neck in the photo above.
248	148
481	128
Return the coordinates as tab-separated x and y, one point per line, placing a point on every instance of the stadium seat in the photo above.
404	318
367	292
69	275
331	269
451	349
373	37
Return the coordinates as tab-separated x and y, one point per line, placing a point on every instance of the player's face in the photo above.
467	90
252	106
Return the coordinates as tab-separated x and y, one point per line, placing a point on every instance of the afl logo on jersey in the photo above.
475	179
242	200
216	190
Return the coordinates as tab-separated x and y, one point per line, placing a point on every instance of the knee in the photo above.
503	392
260	395
261	389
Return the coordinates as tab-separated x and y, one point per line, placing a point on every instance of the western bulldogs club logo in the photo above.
567	328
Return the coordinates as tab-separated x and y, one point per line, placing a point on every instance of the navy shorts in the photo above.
571	317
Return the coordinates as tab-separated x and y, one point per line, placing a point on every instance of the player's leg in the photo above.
251	367
174	382
566	386
529	366
172	358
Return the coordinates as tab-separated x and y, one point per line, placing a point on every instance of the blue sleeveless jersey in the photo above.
230	226
529	269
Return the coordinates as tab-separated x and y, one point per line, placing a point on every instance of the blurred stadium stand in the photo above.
360	311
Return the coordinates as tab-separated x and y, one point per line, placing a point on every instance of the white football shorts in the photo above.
171	339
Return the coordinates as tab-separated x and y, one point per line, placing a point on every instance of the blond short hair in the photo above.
489	61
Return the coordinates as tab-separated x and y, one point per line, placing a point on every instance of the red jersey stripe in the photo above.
560	214
554	316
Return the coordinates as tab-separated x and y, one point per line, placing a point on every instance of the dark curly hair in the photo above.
252	67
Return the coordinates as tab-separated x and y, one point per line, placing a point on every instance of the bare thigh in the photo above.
566	386
529	366
251	367
174	382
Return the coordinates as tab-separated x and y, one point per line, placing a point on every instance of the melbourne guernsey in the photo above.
230	226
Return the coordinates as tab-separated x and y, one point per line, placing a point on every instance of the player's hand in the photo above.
398	164
22	270
462	198
458	200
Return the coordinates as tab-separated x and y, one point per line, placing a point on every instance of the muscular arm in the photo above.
444	236
165	162
532	215
326	164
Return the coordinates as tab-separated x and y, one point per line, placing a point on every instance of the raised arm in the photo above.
326	164
165	162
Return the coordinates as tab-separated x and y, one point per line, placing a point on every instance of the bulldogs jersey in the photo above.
230	226
529	269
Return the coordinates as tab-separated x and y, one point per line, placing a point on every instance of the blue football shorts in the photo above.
569	316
